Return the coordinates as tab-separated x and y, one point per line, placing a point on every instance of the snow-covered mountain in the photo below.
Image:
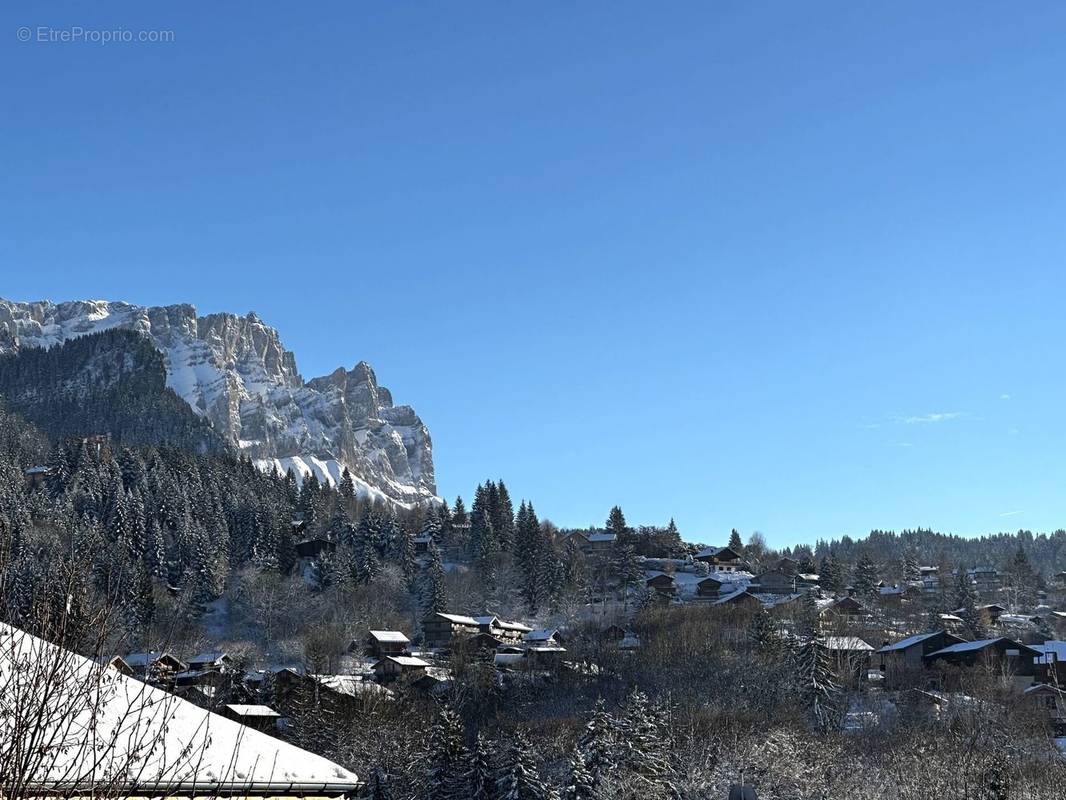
235	372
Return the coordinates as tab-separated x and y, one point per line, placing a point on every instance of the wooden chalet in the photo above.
775	581
391	668
720	559
210	660
35	477
502	629
594	544
741	600
544	636
847	607
385	643
155	667
1050	702
440	629
787	565
261	718
314	547
662	583
908	654
613	633
1003	654
1051	664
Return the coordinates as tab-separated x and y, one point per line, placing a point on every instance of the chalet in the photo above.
908	653
261	718
545	656
314	547
742	599
1049	701
789	566
486	642
118	663
992	612
661	583
1051	663
391	668
594	544
891	595
501	629
720	559
422	544
806	581
775	581
298	524
847	607
155	667
210	660
439	629
850	655
385	643
1000	653
543	637
613	633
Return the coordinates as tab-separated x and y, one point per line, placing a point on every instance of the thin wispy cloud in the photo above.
923	419
1011	513
1004	396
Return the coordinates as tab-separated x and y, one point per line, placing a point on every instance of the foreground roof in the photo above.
103	731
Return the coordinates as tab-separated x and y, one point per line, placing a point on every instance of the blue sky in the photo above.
782	267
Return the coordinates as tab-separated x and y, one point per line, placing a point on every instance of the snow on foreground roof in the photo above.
68	722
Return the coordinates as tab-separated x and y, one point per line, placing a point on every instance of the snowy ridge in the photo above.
235	372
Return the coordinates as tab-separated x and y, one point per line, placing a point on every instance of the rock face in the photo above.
235	372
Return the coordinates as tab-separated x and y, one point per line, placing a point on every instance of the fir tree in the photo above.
580	785
378	787
866	579
518	778
481	775
434	593
815	688
446	778
736	544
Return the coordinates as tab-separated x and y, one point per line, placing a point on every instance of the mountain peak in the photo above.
236	372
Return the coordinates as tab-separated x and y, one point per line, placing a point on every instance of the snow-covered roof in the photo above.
405	661
844	643
1051	651
890	590
141	660
494	621
910	641
350	685
37	471
708	552
542	635
100	727
458	619
213	657
507	659
252	710
396	637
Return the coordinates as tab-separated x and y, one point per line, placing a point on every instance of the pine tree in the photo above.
912	570
481	775
866	579
1021	581
966	599
627	567
518	778
831	576
446	778
616	524
580	785
434	592
736	544
763	633
816	690
595	745
643	746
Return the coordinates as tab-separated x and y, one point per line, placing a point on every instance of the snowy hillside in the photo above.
235	372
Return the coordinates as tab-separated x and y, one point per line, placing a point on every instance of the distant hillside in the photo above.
113	382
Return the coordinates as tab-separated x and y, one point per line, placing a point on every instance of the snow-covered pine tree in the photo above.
595	745
643	746
434	596
815	688
481	773
446	778
518	778
579	785
866	577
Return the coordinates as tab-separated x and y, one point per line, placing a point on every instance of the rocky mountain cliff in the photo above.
235	372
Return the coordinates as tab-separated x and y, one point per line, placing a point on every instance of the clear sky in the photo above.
788	267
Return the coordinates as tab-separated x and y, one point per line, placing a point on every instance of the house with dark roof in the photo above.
907	655
1001	654
720	559
775	581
